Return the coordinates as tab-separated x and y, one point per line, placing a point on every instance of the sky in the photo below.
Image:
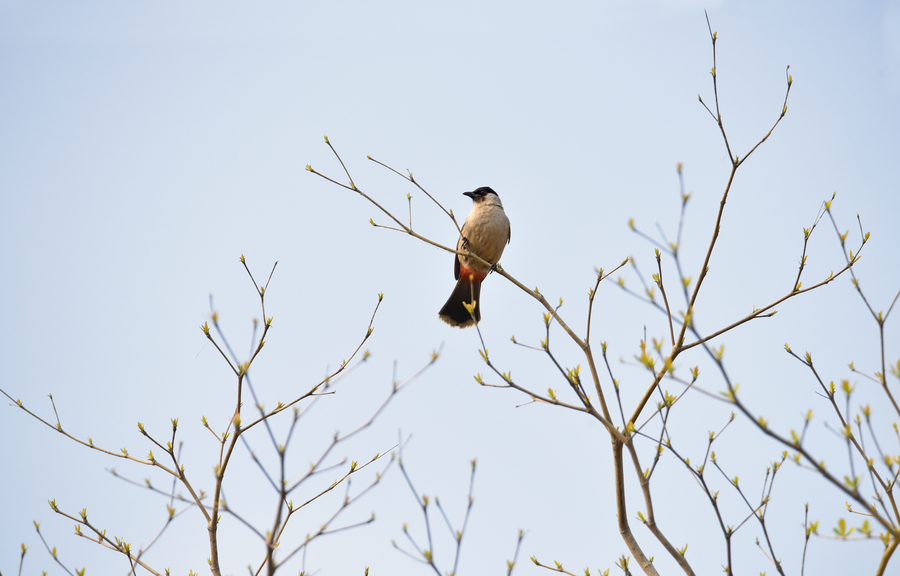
145	147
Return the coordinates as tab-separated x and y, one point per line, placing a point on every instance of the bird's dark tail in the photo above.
454	312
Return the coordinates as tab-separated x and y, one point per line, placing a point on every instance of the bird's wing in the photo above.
456	256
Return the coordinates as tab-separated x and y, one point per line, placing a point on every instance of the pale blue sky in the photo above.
144	147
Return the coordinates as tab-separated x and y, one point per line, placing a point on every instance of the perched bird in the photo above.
485	233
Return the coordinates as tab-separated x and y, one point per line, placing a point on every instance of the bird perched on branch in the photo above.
485	234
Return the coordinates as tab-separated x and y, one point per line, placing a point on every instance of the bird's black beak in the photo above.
469	194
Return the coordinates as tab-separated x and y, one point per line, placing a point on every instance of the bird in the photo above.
485	233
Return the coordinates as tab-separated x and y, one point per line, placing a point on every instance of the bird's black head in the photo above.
480	193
